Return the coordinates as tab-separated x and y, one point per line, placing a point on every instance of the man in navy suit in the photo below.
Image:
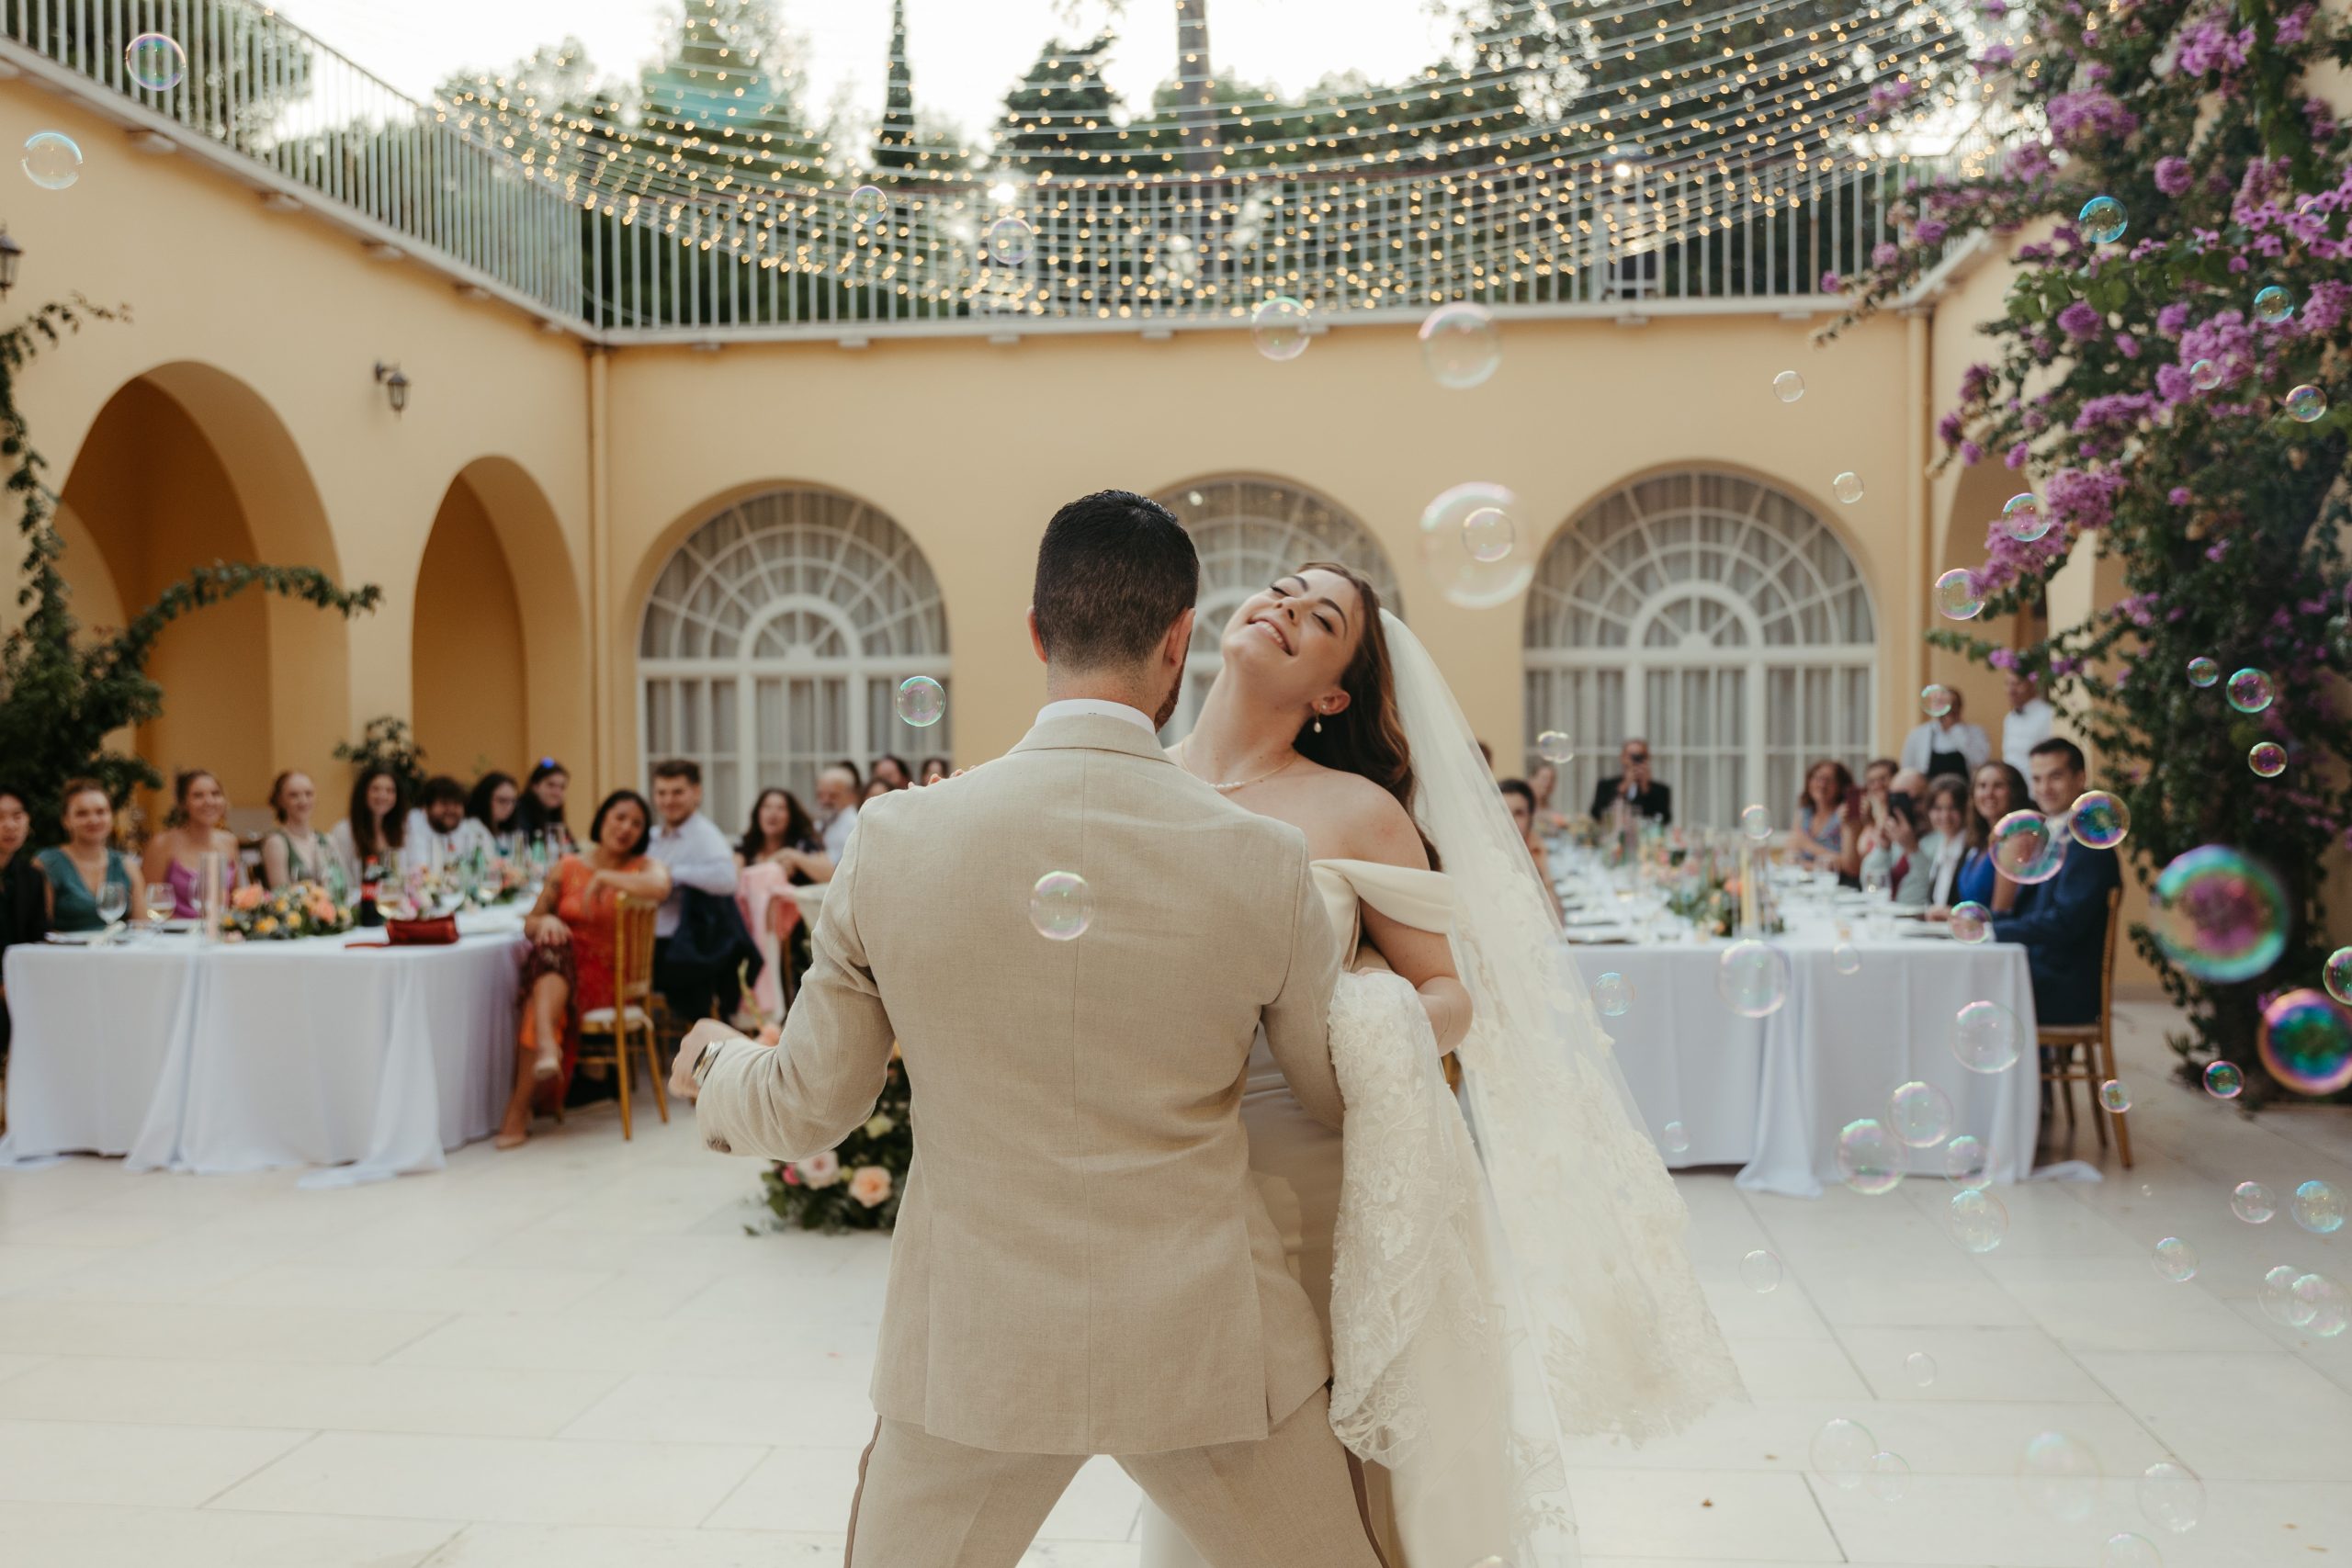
2063	921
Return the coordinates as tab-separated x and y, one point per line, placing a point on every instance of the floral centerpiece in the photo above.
856	1186
298	910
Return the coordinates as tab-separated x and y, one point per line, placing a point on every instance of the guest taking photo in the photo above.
1632	787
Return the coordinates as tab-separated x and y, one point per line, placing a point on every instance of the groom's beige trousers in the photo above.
1283	1502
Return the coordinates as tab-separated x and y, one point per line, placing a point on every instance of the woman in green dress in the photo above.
82	868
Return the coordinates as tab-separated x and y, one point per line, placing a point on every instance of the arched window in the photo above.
1719	619
1249	532
775	640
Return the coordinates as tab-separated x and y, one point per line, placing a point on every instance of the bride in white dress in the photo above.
1484	1302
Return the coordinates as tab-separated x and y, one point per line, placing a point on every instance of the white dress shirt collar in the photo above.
1071	707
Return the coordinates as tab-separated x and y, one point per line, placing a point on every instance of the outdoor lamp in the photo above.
395	384
11	254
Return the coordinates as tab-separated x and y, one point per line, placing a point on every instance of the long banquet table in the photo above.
243	1056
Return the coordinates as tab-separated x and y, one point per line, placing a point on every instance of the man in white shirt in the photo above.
1946	745
438	828
2028	722
836	810
699	858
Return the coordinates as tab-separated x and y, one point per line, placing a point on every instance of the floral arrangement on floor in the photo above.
857	1186
297	909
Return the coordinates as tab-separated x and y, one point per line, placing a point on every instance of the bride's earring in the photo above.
1318	724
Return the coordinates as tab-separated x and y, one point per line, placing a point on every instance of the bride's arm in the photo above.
1423	958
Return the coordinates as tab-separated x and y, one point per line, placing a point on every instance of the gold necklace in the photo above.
1239	783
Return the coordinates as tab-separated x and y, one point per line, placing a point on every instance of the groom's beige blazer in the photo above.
1081	1263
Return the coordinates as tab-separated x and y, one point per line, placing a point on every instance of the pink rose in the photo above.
870	1185
819	1170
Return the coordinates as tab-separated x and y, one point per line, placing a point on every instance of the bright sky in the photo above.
965	53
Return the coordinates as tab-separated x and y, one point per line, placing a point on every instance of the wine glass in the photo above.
114	902
161	901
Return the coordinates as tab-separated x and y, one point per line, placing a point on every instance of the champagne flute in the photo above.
114	902
160	904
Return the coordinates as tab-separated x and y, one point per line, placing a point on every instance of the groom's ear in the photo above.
1037	639
1178	641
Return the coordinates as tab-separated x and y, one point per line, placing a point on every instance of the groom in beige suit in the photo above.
1082	1265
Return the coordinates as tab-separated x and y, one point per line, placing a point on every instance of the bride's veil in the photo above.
1600	1283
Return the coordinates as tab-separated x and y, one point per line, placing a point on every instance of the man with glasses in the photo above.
1632	788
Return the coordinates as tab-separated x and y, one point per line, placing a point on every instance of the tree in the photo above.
722	111
1060	116
59	701
2190	428
894	147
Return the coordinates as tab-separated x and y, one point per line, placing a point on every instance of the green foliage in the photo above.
387	742
886	1142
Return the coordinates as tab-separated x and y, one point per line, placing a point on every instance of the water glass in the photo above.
114	902
161	901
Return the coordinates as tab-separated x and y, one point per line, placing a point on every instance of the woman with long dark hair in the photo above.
781	831
376	824
540	811
1996	790
496	803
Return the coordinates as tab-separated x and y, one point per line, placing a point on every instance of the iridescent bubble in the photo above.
1889	1476
1452	542
1461	345
155	62
2027	847
2124	1550
2306	1043
2219	914
1921	1367
1613	993
1061	905
2203	672
1278	325
1970	921
1752	978
1846	958
1935	701
2205	374
2277	1297
2305	404
2320	1306
1869	1157
1841	1453
1846	487
2249	691
1985	1037
1673	1139
867	204
1761	1272
1179	258
2099	820
920	700
2024	518
1011	240
2171	1496
2115	1096
52	159
2269	758
1966	1163
2174	1259
1787	386
2318	1207
2059	1475
2273	306
1554	746
2223	1080
1976	1219
1920	1114
1756	821
2336	975
2253	1202
1956	594
2102	220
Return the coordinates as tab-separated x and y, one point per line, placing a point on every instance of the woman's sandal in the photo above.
511	1140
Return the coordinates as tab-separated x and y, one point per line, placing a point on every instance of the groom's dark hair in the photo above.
1114	571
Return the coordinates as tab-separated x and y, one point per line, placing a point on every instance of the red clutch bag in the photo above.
422	934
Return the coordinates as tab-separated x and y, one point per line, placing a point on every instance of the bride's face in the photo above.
1293	638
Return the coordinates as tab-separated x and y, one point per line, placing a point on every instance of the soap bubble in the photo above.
2223	1080
2102	220
155	62
1060	906
2175	1260
1920	1114
1937	700
2124	1550
2024	518
2278	1295
2171	1496
1846	487
2253	1202
2059	1475
52	159
2273	306
2269	758
920	700
1752	978
1756	821
1461	345
1970	921
1554	746
1976	1219
2099	820
2318	1305
868	203
1921	1367
1869	1157
1674	1139
2306	1043
1614	993
1011	240
1985	1037
1956	594
2249	691
1459	531
2318	1207
2115	1096
2205	374
2219	914
1761	1272
1787	386
2305	404
1889	1475
1278	325
2203	672
1179	258
1966	1163
1841	1451
1846	958
2336	975
2027	847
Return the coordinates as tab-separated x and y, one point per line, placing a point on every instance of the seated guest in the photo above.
24	896
438	828
1894	779
569	969
1996	792
295	852
1543	782
1878	778
1947	841
934	769
377	827
892	772
837	801
1632	787
82	869
1902	854
1518	796
495	803
194	830
1946	745
781	833
780	851
699	937
2063	922
876	787
541	808
1489	753
1826	832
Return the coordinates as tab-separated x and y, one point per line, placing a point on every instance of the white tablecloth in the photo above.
249	1055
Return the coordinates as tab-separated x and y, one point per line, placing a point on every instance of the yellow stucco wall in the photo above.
468	657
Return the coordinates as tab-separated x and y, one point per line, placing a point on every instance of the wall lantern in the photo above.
395	385
11	254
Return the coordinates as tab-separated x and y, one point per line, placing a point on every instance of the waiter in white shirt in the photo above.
699	857
2028	723
1946	745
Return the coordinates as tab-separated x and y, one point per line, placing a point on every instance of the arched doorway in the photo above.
1717	617
1250	531
774	640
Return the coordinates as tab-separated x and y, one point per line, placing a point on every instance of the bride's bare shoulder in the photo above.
1368	821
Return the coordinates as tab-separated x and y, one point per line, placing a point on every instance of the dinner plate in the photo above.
74	939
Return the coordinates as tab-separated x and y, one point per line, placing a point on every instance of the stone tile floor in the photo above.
573	1356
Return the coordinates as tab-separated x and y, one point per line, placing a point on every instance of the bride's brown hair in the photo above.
1367	736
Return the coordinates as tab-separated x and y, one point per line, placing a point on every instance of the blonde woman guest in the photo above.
176	856
377	823
295	851
83	868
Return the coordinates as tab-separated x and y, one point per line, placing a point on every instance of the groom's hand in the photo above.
709	1032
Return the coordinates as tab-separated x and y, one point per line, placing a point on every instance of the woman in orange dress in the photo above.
569	968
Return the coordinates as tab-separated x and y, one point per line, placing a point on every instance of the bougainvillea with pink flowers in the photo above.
2172	419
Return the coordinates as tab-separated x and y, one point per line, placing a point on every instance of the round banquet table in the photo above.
179	1056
